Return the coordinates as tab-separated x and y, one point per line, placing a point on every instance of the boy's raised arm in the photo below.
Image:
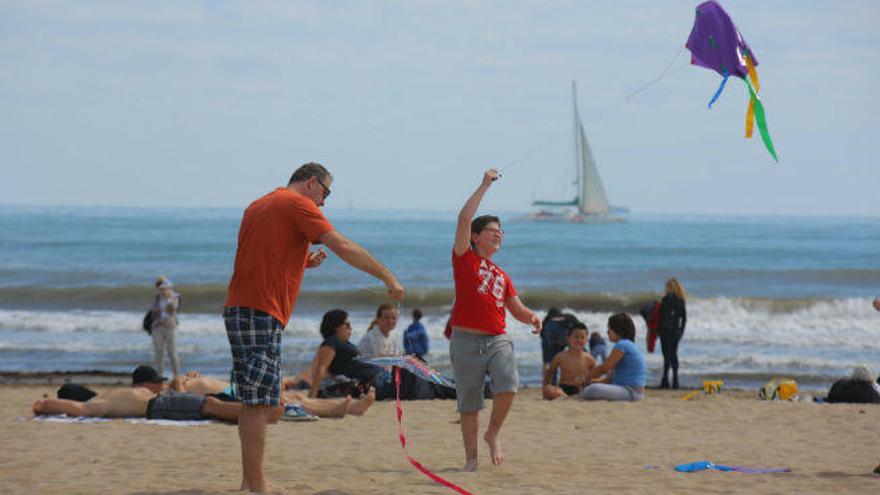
463	228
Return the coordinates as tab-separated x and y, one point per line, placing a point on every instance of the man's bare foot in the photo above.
36	407
470	465
495	453
360	406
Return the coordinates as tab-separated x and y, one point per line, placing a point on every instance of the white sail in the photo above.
592	199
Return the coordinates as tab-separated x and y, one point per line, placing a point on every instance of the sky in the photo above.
214	103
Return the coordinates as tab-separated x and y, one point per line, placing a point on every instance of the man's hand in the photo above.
316	258
395	290
535	322
490	176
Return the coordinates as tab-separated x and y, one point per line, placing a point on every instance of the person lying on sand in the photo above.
325	408
148	397
573	364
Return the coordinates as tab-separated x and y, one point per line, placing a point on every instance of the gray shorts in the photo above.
177	406
473	357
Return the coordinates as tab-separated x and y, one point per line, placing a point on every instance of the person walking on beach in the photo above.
673	317
164	327
273	251
479	344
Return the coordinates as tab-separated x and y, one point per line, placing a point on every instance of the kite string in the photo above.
665	72
668	70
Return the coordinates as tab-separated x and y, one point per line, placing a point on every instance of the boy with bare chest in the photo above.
574	365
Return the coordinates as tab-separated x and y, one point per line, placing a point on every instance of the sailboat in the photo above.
590	204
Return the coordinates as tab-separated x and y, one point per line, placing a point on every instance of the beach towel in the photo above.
169	422
693	467
63	418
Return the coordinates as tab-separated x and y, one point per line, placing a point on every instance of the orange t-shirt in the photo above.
273	246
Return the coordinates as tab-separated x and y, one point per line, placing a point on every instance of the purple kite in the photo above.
715	43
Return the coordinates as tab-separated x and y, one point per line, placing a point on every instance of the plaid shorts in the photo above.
255	340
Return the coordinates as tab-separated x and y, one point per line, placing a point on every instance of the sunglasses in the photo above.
326	189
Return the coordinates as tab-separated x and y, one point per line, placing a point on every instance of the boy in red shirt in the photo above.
479	344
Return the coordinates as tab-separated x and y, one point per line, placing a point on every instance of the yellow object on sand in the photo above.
690	395
779	389
711	387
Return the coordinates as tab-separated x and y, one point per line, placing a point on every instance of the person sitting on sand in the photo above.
859	389
338	356
148	397
415	338
598	347
554	336
626	365
378	342
574	366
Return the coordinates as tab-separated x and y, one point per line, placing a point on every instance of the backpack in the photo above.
147	324
779	389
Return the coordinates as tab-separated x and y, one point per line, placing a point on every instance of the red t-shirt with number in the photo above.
481	288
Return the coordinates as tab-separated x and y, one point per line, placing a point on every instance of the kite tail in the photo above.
762	122
720	89
750	114
416	464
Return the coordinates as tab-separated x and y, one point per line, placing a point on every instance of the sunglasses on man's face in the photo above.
325	188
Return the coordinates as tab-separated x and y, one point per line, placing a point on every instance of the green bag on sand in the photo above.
779	389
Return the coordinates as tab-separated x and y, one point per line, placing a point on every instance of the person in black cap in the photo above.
148	397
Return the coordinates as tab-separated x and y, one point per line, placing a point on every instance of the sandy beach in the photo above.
563	446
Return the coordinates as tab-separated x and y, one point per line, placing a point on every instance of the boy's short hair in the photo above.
578	326
479	224
417	314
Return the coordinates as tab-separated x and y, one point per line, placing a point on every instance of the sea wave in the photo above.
209	298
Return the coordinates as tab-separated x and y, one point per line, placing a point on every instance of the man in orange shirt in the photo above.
276	233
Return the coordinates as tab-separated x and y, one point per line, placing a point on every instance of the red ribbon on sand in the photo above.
415	463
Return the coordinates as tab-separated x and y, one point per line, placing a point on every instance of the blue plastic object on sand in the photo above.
703	465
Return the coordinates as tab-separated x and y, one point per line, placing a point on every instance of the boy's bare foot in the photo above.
36	407
359	407
470	465
270	488
495	453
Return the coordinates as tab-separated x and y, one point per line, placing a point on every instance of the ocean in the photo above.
768	296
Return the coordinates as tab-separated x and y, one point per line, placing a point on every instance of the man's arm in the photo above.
463	229
358	257
523	314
